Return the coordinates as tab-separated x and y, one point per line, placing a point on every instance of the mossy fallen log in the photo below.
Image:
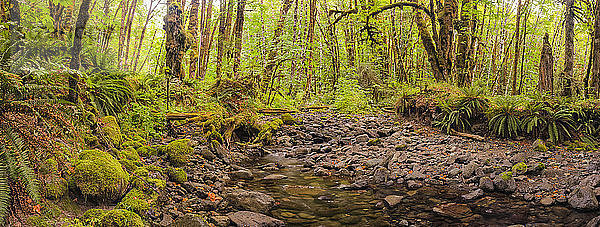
275	111
194	117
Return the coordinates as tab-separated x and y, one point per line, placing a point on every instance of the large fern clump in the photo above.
109	92
504	117
461	112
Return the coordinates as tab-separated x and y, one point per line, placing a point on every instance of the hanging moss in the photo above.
98	174
111	130
178	152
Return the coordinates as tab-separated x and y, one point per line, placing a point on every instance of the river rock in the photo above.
591	181
220	220
453	210
381	175
189	220
505	184
473	195
595	222
583	198
242	174
469	169
250	200
251	219
362	138
275	177
547	201
393	200
486	184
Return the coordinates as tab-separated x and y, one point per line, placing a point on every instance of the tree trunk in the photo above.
546	73
122	30
569	49
429	46
82	19
205	41
446	20
464	37
310	38
517	49
175	40
129	24
222	35
239	28
595	52
270	63
193	29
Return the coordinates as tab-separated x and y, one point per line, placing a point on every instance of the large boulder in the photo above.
99	175
583	198
250	200
505	182
178	152
247	218
111	130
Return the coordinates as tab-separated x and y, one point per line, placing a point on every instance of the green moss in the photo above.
92	217
90	140
540	166
177	175
135	201
49	166
160	149
133	144
506	175
178	152
111	130
121	218
98	174
540	146
130	165
288	119
130	154
55	188
157	183
147	151
374	142
519	168
37	221
266	130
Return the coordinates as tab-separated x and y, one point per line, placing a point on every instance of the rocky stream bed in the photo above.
331	169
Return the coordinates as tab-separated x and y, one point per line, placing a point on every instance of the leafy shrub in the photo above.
504	117
351	98
560	124
473	99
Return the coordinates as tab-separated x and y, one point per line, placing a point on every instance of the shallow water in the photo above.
307	200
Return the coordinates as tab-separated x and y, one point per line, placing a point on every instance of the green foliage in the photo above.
178	152
288	119
351	98
504	117
147	151
560	125
111	218
454	117
144	120
111	130
55	188
135	201
99	175
473	99
109	93
535	120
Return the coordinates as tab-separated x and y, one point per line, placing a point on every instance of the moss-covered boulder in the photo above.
519	168
49	166
267	130
147	151
142	181
111	218
130	165
99	175
133	144
135	201
177	175
539	145
55	187
178	152
288	119
129	153
111	130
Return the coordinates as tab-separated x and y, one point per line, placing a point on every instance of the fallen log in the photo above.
275	111
314	107
388	109
191	116
467	135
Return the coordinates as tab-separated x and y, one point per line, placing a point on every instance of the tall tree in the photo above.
463	78
447	19
206	40
567	75
546	73
222	35
310	36
82	20
193	29
517	49
595	51
274	48
238	29
175	43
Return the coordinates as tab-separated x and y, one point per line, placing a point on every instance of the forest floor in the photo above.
333	169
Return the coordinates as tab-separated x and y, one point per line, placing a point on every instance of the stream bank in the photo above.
333	169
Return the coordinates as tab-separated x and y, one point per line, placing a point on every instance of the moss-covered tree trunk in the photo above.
429	45
595	52
567	75
206	39
193	29
546	70
517	50
273	52
222	37
446	20
310	38
463	78
82	20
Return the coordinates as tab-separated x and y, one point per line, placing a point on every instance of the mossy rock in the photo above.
135	201
147	151
99	175
177	175
111	129
91	140
506	175
133	144
374	142
121	218
92	217
267	130
129	153
55	188
37	221
288	119
540	146
519	168
143	182
178	152
130	165
160	149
